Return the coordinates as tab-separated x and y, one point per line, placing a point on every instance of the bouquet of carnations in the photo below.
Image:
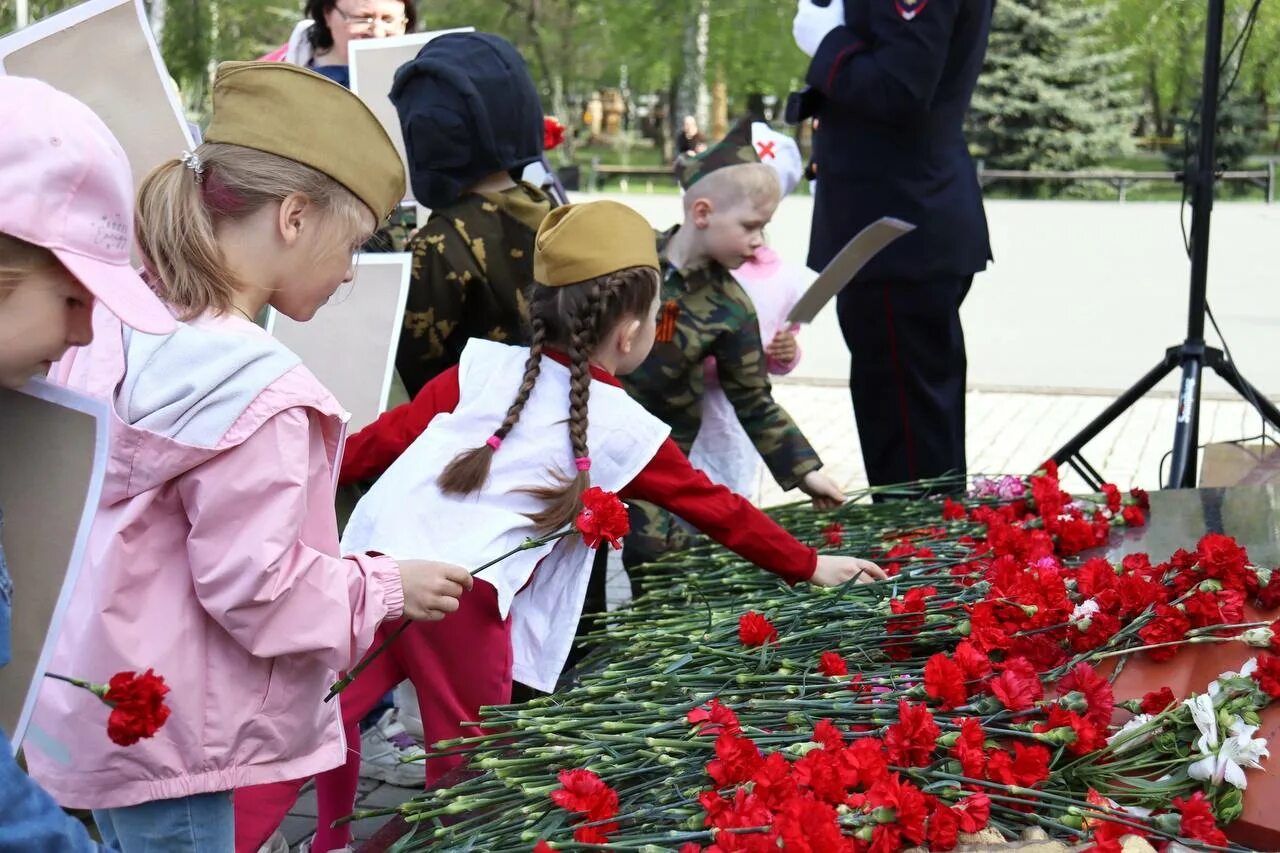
973	690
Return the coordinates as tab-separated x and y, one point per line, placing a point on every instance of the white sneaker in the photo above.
384	751
406	701
277	843
305	847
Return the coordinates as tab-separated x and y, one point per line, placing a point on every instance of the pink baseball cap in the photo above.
65	185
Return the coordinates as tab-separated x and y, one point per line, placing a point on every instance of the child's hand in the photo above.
782	348
825	491
833	571
432	590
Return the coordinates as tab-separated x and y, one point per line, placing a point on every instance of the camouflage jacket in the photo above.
471	263
394	234
705	312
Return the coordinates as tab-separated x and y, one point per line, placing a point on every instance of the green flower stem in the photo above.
346	680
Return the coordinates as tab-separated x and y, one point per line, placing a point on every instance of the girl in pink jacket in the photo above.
214	554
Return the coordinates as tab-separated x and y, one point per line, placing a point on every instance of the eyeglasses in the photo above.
366	22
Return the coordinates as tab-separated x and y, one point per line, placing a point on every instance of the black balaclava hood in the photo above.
468	108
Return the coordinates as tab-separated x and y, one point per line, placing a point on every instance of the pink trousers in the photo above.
456	665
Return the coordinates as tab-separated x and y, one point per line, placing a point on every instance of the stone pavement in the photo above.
1008	432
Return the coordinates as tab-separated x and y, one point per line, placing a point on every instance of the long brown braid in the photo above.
573	318
468	471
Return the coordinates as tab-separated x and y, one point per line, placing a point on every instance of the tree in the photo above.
1051	96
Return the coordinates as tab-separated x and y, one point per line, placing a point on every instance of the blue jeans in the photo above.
29	818
203	823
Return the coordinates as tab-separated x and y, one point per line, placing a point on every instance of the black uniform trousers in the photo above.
907	376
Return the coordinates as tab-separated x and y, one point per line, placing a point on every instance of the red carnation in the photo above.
808	824
1096	690
1112	493
1087	736
773	782
1140	495
717	717
1220	556
1198	821
1027	767
909	812
944	681
1269	595
834	535
737	758
1225	607
137	706
755	630
973	663
952	511
1268	675
974	811
585	792
1157	700
1133	516
552	133
603	518
970	749
910	741
944	827
831	664
543	847
1018	687
865	762
1170	625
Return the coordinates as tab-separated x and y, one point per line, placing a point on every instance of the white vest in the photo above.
406	516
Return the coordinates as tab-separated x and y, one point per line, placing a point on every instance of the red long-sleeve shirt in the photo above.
668	481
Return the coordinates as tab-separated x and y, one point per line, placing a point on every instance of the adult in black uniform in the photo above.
890	83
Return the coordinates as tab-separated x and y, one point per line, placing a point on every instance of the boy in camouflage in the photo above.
729	198
472	121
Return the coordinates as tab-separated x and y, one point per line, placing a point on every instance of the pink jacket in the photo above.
213	560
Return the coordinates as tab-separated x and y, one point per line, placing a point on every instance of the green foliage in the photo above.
1067	81
1051	97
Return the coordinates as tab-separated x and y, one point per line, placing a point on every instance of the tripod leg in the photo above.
1070	452
1232	377
1182	468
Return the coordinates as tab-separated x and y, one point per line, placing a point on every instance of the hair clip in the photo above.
192	162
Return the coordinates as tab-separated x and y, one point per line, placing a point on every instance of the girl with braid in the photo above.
500	449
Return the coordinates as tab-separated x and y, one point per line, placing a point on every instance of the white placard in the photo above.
53	458
373	66
102	53
350	344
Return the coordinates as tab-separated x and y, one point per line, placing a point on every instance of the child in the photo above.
729	199
723	449
488	472
472	120
214	554
60	171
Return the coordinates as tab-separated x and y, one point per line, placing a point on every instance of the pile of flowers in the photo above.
973	689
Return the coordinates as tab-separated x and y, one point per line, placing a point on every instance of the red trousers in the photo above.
456	665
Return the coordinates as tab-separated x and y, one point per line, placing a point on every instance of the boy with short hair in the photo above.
730	196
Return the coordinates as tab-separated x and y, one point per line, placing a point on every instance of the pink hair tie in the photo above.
583	463
494	442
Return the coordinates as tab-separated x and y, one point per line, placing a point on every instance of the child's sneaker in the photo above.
406	702
384	750
277	843
305	847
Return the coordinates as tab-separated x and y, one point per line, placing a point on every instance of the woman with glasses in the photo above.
320	42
